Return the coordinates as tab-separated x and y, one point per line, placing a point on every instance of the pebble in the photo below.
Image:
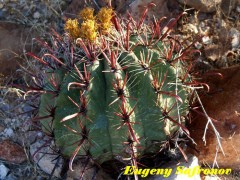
46	158
198	45
206	40
27	108
12	152
238	9
235	34
36	15
3	171
5	107
8	132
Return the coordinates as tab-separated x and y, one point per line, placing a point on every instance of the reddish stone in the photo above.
223	104
12	152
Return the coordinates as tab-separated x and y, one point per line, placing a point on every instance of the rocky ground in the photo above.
217	21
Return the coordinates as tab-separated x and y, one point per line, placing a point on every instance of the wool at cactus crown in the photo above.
180	170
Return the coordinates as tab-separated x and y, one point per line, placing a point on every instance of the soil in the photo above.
222	105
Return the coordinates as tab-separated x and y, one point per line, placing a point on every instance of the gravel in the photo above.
3	171
14	124
34	12
8	132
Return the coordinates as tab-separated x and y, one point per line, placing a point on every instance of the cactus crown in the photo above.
115	95
92	25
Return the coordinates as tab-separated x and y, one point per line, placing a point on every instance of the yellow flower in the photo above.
87	14
72	27
105	27
104	16
89	30
89	27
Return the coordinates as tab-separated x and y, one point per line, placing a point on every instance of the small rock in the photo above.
235	34
27	108
46	158
12	152
198	45
206	40
1	5
3	171
5	107
8	132
238	9
36	15
202	5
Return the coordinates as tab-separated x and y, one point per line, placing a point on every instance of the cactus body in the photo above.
123	102
105	138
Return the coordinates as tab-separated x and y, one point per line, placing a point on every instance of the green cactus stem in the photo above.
120	96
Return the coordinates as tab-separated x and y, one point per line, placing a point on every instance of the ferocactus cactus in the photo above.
114	89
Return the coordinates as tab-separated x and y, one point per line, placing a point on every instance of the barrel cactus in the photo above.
114	89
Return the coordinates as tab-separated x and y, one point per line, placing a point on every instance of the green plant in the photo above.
116	93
